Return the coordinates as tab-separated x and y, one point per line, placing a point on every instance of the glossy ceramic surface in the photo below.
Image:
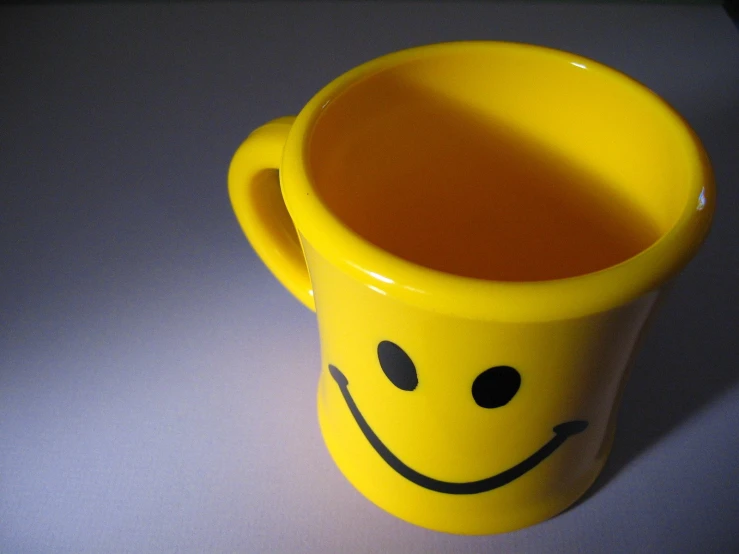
462	404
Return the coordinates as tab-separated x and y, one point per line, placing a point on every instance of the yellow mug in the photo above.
482	229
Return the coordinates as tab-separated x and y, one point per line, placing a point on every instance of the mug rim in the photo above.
476	298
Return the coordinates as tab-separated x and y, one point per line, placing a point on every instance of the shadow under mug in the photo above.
482	229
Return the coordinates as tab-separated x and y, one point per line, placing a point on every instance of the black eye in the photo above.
495	387
397	365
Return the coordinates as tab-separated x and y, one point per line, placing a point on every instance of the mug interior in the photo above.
507	163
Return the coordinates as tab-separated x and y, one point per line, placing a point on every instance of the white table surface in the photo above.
157	384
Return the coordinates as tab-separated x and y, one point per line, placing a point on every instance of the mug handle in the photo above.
254	189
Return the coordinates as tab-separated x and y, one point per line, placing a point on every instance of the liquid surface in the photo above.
438	187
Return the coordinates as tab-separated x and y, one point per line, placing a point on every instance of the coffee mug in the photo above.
483	229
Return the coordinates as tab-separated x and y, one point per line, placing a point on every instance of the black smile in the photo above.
561	433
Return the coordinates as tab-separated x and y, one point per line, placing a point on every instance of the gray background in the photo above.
157	384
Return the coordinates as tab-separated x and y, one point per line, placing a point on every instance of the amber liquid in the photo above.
443	190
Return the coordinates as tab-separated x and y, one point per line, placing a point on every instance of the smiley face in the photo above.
493	388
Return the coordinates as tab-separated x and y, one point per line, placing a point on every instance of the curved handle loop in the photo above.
254	189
